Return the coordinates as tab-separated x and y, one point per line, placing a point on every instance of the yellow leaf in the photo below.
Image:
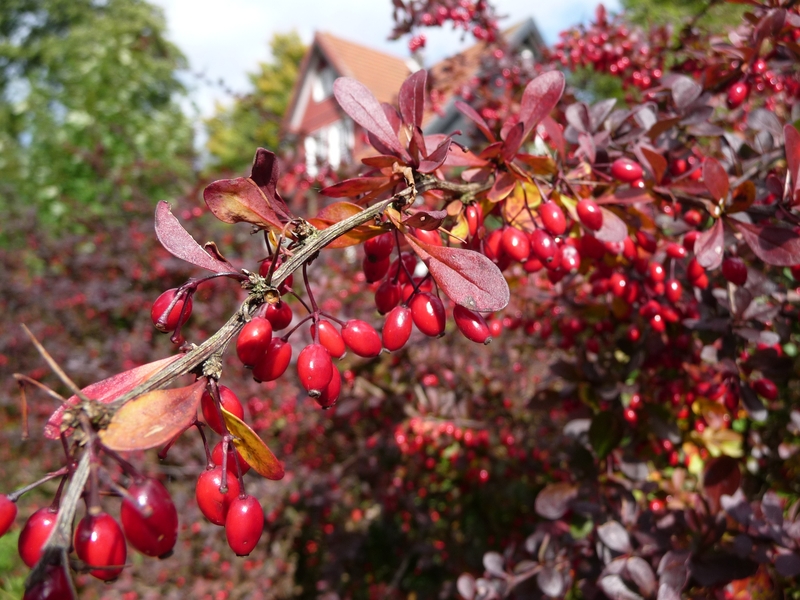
252	448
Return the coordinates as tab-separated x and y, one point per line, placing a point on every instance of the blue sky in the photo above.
226	40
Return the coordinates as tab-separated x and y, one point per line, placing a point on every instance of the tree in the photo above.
634	435
255	119
90	113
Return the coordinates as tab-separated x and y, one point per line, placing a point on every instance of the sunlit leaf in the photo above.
774	245
716	179
178	242
436	158
613	229
153	419
265	173
709	246
108	390
742	198
503	186
357	235
685	91
358	102
467	277
539	98
357	186
252	448
426	219
241	200
338	211
513	141
412	98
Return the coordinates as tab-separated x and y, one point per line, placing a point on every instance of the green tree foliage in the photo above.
710	15
90	119
254	120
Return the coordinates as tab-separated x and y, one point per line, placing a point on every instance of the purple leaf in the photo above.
493	563
472	115
426	219
467	277
241	200
556	134
673	573
599	112
658	164
641	573
716	179
685	91
412	98
436	158
721	477
774	245
614	587
614	229
179	242
787	564
752	403
392	116
466	586
578	116
359	103
554	500
512	142
709	246
793	154
551	582
353	187
614	535
540	97
265	173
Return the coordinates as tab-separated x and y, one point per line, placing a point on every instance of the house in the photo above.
325	135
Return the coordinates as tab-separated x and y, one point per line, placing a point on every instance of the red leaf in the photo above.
358	185
614	229
658	164
793	154
540	97
503	186
777	246
556	134
426	219
710	245
467	277
716	179
107	390
178	242
412	98
153	419
354	237
240	199
338	211
436	158
472	115
513	141
358	102
381	161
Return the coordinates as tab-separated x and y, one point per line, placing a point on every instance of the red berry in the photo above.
149	518
516	244
273	364
734	270
229	402
626	170
279	314
766	388
657	506
263	270
374	270
380	246
8	512
694	270
618	284
692	217
387	296
99	542
330	394
314	368
553	218
543	246
676	250
213	503
570	259
474	215
361	338
656	271
737	94
674	290
233	456
402	268
244	524
253	340
590	215
432	237
34	534
472	325
428	314
329	337
493	245
630	416
397	328
173	319
54	586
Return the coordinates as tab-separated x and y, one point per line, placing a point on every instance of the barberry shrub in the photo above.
630	431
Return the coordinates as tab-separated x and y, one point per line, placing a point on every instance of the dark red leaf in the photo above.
615	536
381	161
614	229
774	245
503	186
685	91
716	179
153	419
436	158
426	219
540	97
241	200
658	164
412	98
107	390
743	197
578	116
179	242
793	154
752	403
710	245
265	173
467	277
359	103
513	141
395	122
556	134
554	500
721	476
353	187
472	115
